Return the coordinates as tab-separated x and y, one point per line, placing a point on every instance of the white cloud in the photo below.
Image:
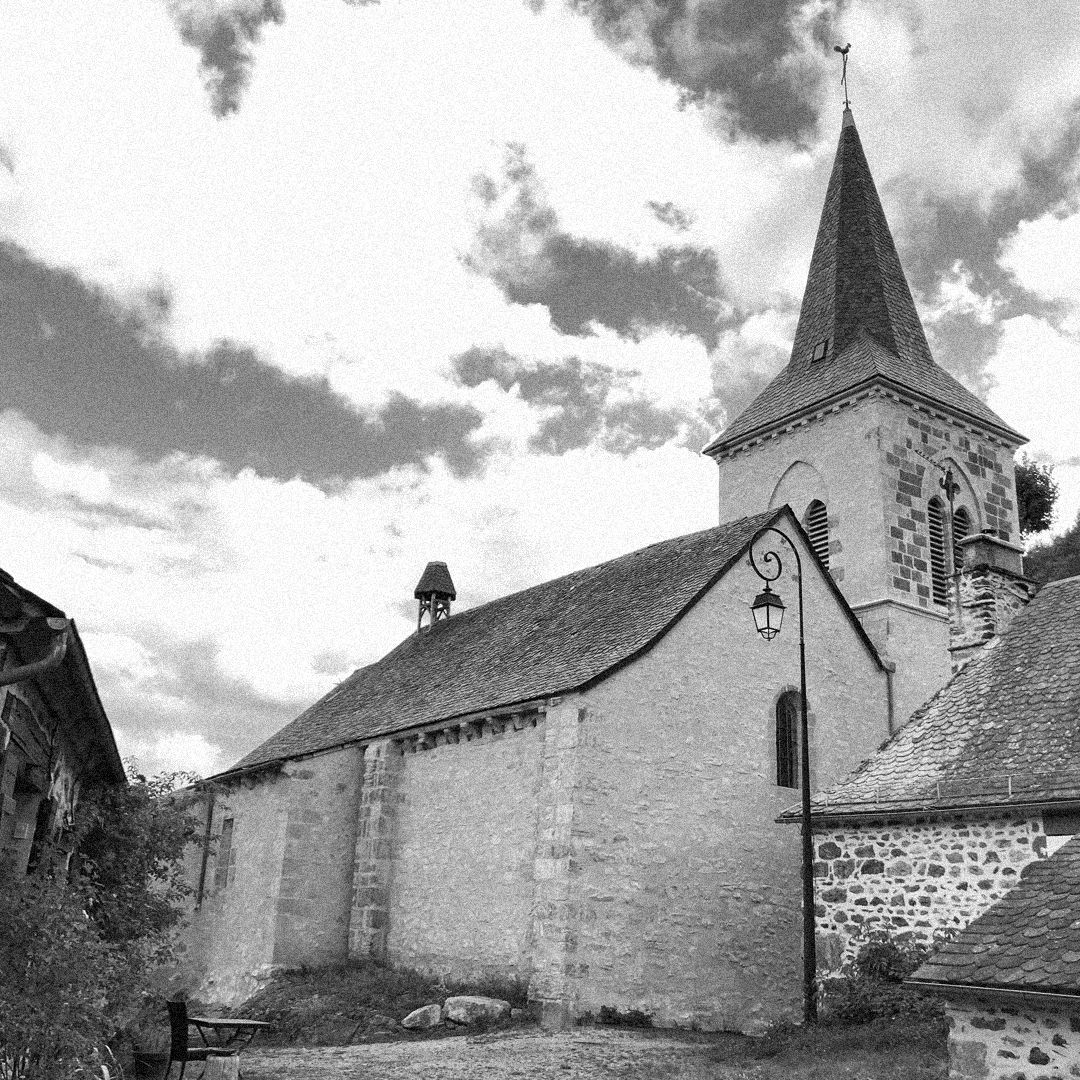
1042	256
1036	372
177	751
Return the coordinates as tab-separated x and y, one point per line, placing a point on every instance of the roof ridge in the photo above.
560	635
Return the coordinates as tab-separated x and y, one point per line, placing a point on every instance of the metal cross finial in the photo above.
843	78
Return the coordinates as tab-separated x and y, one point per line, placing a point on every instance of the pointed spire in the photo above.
858	323
855	284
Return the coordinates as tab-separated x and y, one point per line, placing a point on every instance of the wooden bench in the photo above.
222	1068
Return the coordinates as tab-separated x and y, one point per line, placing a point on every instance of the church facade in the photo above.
580	787
575	787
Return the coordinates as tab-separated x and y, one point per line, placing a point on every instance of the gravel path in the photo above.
530	1055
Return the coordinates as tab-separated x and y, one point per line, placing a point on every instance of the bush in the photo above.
871	988
77	947
59	982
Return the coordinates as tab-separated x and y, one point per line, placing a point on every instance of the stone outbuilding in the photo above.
939	824
1011	980
55	739
574	787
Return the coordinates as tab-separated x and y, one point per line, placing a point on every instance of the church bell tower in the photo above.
859	433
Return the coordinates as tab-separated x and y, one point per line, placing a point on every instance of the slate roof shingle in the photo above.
858	300
1004	730
549	639
1029	940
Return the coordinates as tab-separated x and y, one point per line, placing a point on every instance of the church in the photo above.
581	787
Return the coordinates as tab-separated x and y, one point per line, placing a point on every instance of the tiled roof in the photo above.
857	299
1029	940
1004	730
550	639
435	579
69	685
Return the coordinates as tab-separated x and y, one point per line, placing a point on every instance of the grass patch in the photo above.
882	1049
359	1001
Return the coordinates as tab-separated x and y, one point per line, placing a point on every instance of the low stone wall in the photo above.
914	877
1024	1041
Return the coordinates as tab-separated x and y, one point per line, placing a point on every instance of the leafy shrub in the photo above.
872	987
58	981
77	946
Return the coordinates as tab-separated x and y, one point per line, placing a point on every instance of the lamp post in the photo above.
768	611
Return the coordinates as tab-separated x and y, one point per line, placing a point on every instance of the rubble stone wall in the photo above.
1019	1041
914	877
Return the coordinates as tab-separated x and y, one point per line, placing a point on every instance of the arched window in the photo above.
816	523
961	527
787	739
939	579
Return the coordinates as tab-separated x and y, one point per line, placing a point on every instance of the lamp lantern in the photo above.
768	610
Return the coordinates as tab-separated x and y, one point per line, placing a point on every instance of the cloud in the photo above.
952	247
762	62
77	363
670	214
172	705
583	403
225	36
520	246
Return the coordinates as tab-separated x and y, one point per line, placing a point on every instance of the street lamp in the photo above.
768	611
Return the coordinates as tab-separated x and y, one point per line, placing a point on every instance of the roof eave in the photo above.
720	443
912	809
944	988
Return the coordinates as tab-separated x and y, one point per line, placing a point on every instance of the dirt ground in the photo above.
531	1054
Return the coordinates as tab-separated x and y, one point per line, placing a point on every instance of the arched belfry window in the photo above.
939	579
816	523
787	739
961	527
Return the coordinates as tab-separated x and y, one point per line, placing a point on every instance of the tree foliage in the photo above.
77	946
1036	494
1060	558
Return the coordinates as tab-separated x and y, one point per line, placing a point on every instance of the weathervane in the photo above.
843	78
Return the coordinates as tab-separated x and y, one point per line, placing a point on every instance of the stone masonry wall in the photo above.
684	892
1024	1040
983	468
554	930
915	877
461	890
989	600
841	448
374	863
315	888
288	898
229	940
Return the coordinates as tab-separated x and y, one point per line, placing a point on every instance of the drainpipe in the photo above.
205	850
50	660
890	670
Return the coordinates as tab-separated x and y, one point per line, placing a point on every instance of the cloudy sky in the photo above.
299	294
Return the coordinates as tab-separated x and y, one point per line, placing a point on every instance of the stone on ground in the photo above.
470	1009
427	1016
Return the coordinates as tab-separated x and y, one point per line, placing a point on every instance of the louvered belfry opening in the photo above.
816	523
434	590
961	527
939	578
